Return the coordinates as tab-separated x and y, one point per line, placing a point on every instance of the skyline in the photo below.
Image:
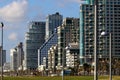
15	14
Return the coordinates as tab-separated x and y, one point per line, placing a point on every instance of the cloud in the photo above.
12	36
14	11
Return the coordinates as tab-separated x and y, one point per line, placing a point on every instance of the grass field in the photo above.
60	78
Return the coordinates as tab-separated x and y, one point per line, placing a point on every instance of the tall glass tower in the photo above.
52	22
34	38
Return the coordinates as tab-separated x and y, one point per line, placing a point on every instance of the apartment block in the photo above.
107	21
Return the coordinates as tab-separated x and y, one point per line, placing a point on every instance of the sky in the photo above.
16	14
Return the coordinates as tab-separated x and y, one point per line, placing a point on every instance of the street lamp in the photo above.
95	41
110	54
1	25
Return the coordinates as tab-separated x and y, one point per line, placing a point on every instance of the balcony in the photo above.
90	26
100	23
100	10
90	14
100	17
90	20
90	46
90	33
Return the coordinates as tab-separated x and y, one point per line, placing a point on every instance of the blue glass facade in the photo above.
81	35
43	50
89	1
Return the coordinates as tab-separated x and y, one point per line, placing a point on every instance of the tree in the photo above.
87	68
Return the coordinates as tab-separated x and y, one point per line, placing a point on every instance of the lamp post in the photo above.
95	42
62	73
110	57
2	50
110	53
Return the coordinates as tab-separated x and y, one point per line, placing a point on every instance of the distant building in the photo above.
6	67
4	57
52	22
34	38
20	55
17	57
13	60
68	32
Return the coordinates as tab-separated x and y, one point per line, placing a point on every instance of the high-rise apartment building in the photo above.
68	32
52	22
108	20
34	38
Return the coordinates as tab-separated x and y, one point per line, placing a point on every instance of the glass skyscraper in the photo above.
52	22
108	19
34	38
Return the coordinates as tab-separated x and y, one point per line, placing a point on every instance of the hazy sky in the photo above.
15	14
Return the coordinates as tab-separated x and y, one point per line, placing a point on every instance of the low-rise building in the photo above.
72	55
